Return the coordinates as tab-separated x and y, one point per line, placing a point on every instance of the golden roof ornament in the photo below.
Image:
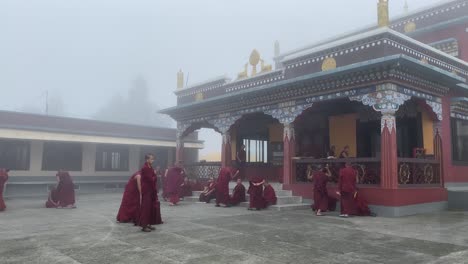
254	60
382	11
410	27
328	64
180	79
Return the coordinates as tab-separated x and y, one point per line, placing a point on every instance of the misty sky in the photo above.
88	50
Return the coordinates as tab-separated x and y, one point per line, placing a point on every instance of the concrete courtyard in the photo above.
201	233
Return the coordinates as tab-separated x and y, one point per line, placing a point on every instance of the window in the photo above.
62	155
112	158
459	140
256	150
14	154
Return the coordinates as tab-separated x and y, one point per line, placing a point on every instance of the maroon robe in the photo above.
347	188
185	190
65	189
362	209
222	186
147	196
321	200
3	180
269	195
238	194
130	206
256	194
174	181
52	201
209	194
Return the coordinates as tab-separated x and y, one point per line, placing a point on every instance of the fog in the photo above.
88	53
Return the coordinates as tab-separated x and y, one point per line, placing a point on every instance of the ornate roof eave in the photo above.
438	26
429	73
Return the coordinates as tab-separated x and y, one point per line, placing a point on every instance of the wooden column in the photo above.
226	158
289	151
438	153
389	158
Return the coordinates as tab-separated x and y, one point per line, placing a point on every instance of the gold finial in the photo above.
243	74
406	7
265	67
383	16
253	60
180	80
277	49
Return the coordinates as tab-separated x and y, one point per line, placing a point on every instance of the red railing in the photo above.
202	171
418	171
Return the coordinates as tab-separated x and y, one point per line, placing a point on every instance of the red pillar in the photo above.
179	151
226	158
389	158
289	146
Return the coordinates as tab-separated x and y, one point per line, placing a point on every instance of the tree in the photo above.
137	108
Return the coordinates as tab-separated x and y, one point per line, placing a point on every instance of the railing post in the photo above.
389	158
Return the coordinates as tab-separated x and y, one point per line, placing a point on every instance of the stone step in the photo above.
290	207
281	200
458	200
278	193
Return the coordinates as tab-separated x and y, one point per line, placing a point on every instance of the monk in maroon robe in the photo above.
347	188
362	208
209	192
241	158
129	210
3	180
174	181
222	187
185	189
65	190
147	199
238	194
156	213
321	199
256	193
52	200
269	194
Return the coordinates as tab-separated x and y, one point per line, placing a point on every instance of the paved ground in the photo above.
200	233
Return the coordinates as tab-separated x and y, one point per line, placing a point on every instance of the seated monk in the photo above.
209	192
52	200
3	180
256	193
344	153
238	194
269	194
185	189
129	210
65	190
362	209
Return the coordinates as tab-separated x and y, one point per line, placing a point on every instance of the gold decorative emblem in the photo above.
428	173
329	64
410	27
404	173
254	59
199	96
423	60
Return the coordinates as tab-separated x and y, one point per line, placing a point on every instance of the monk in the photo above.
209	191
130	206
238	194
156	212
3	180
321	199
241	158
164	185
52	200
65	190
344	153
174	181
185	189
222	187
362	208
346	190
269	194
256	193
147	199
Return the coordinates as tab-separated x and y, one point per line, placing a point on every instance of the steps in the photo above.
286	201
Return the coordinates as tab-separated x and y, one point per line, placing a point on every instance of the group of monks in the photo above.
140	203
351	202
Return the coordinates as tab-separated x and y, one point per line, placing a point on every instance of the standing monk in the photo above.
156	215
321	200
3	180
174	181
222	187
238	194
130	207
256	193
347	189
147	187
241	160
65	190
